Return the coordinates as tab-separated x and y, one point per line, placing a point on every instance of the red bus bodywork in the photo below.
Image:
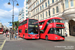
1	30
24	31
47	29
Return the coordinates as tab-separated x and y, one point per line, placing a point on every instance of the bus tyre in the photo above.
46	37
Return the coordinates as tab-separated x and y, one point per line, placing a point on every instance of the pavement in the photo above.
70	38
14	39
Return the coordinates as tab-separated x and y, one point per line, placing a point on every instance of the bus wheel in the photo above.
23	36
46	37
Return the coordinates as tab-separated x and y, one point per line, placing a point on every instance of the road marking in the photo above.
2	44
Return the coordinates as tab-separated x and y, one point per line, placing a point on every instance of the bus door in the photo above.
20	32
51	33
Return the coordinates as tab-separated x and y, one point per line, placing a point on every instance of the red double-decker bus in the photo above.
29	29
1	30
52	29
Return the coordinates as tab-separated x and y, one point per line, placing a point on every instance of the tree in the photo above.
16	24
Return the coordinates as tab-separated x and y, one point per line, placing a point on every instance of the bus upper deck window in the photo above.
50	21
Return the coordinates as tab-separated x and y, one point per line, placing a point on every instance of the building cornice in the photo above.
28	1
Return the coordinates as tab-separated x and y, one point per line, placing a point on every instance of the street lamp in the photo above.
12	15
13	11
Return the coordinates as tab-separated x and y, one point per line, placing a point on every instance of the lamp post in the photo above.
13	13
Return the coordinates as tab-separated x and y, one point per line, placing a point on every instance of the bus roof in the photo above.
51	18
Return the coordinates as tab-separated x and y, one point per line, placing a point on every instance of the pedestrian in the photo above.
15	36
8	34
4	33
66	33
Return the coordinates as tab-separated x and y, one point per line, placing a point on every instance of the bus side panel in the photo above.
42	35
50	36
25	34
26	27
57	37
46	31
23	30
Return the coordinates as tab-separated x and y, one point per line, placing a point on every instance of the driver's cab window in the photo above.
41	23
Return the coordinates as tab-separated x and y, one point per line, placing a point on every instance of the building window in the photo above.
26	10
57	9
36	4
52	1
43	15
38	17
26	4
36	10
46	13
40	1
53	11
26	14
56	0
66	4
46	4
49	12
71	3
42	6
26	7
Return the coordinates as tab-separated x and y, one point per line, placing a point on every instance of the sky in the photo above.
6	11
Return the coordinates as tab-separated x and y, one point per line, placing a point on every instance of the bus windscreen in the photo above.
32	21
32	31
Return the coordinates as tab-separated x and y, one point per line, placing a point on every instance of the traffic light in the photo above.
16	25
